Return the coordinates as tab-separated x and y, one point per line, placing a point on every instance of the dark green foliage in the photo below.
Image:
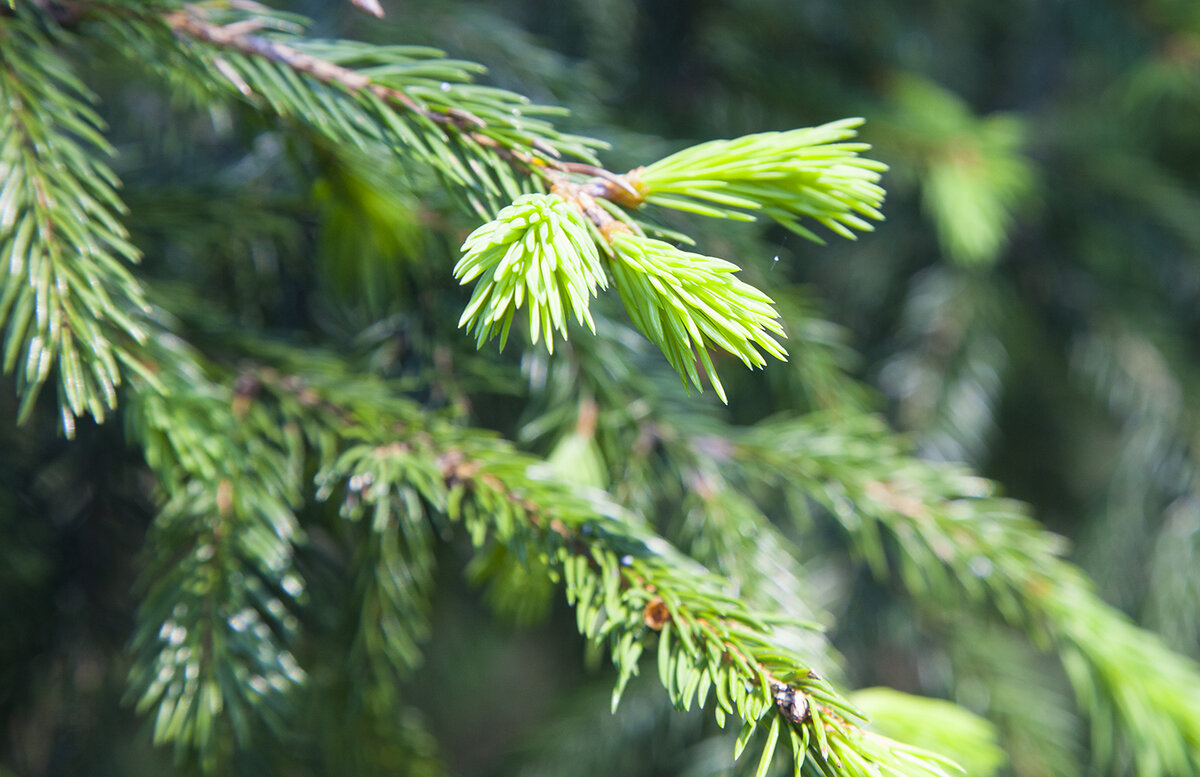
69	302
310	451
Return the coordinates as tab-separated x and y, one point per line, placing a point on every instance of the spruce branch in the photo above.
218	645
69	302
802	173
489	145
950	542
212	640
190	22
684	302
630	590
211	656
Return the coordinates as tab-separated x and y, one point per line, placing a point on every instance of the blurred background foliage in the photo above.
1029	307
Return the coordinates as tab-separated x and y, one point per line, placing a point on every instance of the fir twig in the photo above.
69	301
190	22
953	543
480	142
628	587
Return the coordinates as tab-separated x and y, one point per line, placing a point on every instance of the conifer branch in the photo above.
211	655
488	145
218	644
190	22
628	587
214	632
543	159
950	542
69	302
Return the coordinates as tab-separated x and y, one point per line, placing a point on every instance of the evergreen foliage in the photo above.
301	453
70	303
537	248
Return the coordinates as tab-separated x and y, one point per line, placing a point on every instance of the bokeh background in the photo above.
1029	307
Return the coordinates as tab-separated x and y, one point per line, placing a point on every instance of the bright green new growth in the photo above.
686	303
803	173
537	251
934	724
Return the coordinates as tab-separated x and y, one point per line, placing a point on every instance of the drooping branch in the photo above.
629	588
953	543
70	302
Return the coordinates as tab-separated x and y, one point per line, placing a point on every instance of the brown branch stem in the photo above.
621	189
189	23
458	467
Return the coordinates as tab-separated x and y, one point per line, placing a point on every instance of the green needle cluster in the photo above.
687	303
802	173
536	251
